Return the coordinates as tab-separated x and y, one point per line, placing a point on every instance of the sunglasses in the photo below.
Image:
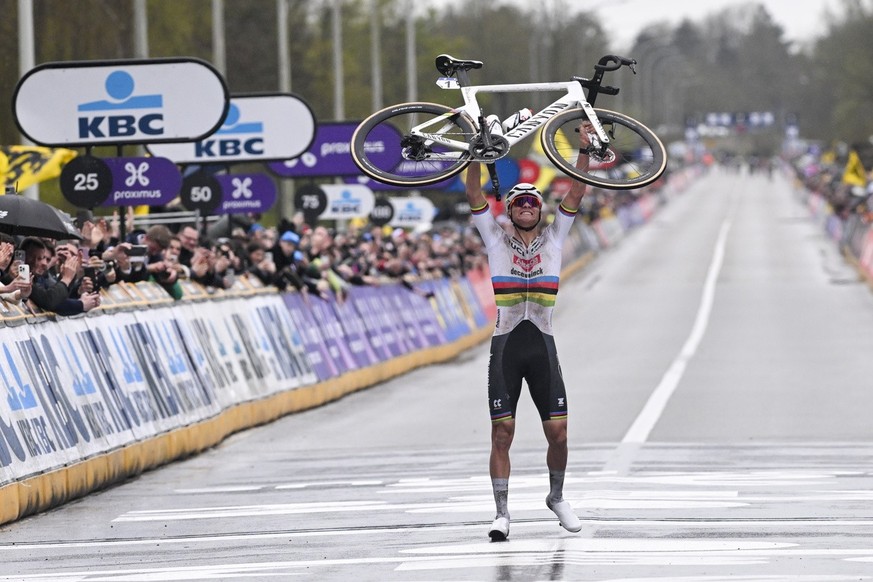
532	201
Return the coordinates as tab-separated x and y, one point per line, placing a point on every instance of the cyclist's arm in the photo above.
475	196
573	198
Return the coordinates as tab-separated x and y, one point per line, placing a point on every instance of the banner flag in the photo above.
854	173
25	166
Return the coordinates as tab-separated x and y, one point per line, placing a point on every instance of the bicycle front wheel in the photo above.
635	158
413	144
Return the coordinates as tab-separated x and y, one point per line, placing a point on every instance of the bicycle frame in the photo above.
573	96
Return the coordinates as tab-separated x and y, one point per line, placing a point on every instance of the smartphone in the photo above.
19	256
137	253
269	256
24	271
91	273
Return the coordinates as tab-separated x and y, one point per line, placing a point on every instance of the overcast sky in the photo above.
802	20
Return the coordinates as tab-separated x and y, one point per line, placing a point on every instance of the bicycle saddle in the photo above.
447	65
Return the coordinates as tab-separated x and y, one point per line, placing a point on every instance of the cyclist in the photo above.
525	268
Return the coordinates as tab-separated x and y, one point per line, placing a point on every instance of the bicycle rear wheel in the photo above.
635	158
385	148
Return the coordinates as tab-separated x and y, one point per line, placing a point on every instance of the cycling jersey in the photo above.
525	279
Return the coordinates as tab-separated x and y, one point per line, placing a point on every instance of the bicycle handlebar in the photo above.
617	62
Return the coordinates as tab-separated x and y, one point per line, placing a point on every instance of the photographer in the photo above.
54	295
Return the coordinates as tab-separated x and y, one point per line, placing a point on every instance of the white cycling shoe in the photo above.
565	514
499	529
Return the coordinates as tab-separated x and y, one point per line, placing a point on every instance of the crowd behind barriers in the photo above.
66	276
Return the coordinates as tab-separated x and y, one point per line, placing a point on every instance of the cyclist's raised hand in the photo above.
585	132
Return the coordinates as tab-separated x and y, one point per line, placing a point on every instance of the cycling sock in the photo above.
556	484
501	496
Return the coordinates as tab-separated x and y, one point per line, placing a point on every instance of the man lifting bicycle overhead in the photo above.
525	270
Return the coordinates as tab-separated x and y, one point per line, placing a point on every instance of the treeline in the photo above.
735	60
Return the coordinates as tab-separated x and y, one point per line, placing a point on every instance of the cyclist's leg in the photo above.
504	388
550	396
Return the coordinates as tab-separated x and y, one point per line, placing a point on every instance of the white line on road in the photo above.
648	417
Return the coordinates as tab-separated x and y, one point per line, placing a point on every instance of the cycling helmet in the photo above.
522	189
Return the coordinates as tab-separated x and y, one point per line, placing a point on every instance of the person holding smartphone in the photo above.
46	292
15	280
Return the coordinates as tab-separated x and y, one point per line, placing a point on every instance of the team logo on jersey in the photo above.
527	265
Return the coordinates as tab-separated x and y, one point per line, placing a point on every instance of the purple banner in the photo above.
383	336
423	310
332	331
142	181
316	350
330	153
243	193
394	297
355	331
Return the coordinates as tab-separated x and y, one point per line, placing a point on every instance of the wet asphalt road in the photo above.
719	365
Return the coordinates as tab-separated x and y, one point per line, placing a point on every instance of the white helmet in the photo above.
522	189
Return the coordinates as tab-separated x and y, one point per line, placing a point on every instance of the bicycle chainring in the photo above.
499	149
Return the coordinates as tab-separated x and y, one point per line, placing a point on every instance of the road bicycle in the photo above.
418	144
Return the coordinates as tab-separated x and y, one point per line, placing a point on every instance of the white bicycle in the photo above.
417	144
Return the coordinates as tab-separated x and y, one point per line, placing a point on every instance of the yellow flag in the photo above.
537	154
854	174
24	166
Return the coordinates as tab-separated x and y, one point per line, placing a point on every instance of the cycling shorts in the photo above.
527	354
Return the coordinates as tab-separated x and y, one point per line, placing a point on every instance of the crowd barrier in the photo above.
144	380
853	234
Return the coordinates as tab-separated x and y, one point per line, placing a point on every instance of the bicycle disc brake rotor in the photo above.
498	149
413	148
604	157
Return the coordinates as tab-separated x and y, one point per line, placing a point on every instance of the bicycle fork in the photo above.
599	141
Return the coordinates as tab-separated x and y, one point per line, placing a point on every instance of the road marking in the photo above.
648	417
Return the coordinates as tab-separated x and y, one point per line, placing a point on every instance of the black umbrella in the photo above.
24	216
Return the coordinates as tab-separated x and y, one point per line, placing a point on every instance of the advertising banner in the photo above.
34	437
241	193
313	342
370	306
346	201
286	338
355	331
124	374
330	152
396	299
120	102
142	181
167	370
331	331
256	128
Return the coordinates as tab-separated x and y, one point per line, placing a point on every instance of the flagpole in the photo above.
26	61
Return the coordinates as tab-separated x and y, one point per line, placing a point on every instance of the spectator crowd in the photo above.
66	276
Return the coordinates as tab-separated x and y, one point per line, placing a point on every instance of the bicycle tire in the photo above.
385	150
638	156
